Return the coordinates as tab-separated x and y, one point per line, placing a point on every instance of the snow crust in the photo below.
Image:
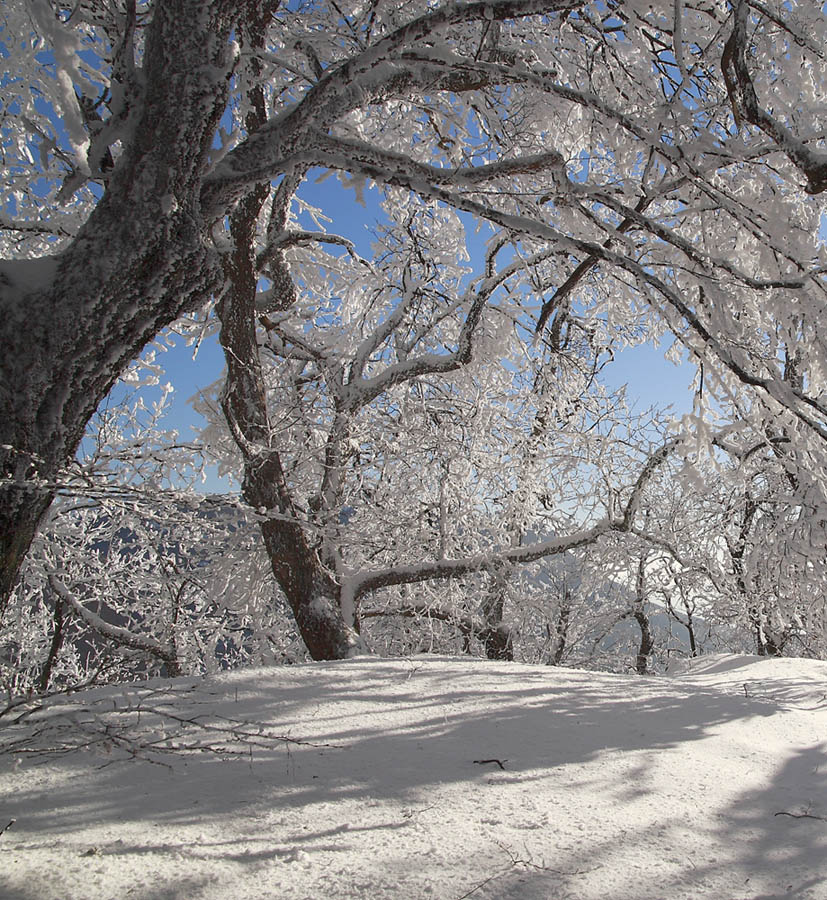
425	777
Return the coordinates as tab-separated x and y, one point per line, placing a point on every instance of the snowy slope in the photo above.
611	787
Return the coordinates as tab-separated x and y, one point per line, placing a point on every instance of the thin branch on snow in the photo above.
142	728
804	815
516	861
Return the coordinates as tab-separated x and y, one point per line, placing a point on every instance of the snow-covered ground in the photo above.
427	777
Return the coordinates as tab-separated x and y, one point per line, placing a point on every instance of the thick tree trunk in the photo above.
70	324
313	596
21	510
311	592
496	635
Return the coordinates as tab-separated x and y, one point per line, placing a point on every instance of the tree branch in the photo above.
116	633
745	105
360	583
376	73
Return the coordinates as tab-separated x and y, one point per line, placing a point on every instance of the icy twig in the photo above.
142	729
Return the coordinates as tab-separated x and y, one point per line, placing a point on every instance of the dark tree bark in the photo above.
54	646
639	614
561	630
496	635
765	645
647	643
71	323
688	623
313	595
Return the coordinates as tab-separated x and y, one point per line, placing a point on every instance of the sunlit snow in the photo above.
424	777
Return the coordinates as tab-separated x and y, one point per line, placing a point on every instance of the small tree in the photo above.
135	573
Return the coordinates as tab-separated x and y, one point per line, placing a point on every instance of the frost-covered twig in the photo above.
363	582
142	729
517	861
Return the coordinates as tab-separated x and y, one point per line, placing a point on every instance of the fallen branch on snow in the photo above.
499	762
804	815
515	862
142	724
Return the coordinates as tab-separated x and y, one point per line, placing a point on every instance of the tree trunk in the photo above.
54	646
647	642
495	635
22	508
690	628
70	323
561	629
765	643
313	595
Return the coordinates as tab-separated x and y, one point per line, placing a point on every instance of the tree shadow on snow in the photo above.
398	734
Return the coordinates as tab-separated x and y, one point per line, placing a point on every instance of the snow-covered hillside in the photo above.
427	777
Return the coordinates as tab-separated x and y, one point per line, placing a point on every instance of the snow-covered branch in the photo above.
746	107
373	73
386	166
297	238
812	411
360	583
122	636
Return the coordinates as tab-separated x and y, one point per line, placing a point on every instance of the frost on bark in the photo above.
70	323
311	592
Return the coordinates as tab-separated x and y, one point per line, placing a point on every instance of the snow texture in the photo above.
424	777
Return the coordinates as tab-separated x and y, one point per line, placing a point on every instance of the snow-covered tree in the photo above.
134	572
771	548
662	164
396	427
